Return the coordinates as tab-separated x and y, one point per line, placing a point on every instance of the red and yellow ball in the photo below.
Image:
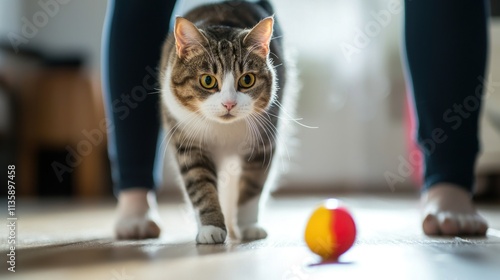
331	230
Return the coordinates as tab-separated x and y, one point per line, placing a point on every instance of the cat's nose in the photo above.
229	105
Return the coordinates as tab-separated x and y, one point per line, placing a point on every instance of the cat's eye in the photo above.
247	80
208	81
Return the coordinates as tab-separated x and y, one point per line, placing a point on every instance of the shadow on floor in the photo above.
98	251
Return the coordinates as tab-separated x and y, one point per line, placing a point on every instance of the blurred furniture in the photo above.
58	109
7	128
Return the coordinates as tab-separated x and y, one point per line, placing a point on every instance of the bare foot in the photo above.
137	215
448	210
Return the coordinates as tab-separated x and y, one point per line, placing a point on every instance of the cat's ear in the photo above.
188	38
259	38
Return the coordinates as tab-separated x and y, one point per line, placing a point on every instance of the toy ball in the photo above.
331	230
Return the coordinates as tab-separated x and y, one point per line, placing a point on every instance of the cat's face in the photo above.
221	73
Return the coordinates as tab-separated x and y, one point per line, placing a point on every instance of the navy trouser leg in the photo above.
446	48
133	37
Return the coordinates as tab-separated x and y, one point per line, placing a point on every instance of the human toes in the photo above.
430	225
451	224
137	228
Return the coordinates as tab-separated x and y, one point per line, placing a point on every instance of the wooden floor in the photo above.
72	240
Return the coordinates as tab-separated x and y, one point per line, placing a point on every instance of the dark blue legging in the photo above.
446	49
132	41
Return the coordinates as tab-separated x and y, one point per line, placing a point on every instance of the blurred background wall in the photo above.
352	89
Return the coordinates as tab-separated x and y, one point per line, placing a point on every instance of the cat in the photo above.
222	85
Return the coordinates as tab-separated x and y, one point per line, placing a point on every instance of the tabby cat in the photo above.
222	87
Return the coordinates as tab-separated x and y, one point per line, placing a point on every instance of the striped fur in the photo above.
227	41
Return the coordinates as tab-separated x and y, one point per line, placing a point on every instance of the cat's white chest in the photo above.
226	139
230	139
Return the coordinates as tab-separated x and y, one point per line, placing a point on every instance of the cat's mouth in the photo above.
227	116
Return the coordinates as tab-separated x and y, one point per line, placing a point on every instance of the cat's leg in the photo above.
248	215
200	181
254	174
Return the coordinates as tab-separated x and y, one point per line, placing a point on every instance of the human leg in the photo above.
133	37
446	48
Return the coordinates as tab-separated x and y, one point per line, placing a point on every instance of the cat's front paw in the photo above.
211	235
252	232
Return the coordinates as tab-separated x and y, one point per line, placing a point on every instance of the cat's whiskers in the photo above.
185	130
258	125
268	126
275	55
258	135
280	117
255	140
264	128
206	128
191	133
248	137
172	131
270	132
189	136
277	37
252	136
277	65
200	125
278	139
190	130
278	104
155	92
258	132
165	148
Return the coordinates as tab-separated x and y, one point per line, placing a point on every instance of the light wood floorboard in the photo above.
73	240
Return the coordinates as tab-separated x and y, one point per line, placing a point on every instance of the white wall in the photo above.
65	26
351	99
77	27
10	11
357	103
357	139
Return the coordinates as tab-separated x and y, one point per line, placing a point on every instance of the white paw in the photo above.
136	228
210	235
252	232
